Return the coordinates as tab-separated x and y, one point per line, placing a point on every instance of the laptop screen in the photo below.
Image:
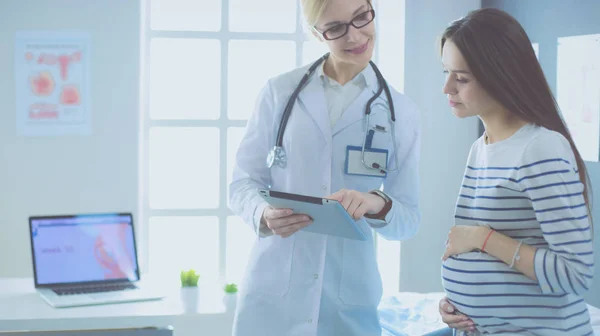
87	248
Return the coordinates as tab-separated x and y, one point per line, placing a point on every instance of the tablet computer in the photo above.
329	216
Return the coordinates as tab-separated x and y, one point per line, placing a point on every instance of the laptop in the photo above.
89	259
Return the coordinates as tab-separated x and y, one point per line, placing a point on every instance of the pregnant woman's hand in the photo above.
463	239
453	318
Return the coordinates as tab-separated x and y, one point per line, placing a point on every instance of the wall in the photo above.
70	174
446	140
545	21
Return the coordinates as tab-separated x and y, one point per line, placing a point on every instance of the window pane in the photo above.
388	260
185	15
184	167
271	16
251	64
183	243
312	50
234	137
390	41
185	79
239	244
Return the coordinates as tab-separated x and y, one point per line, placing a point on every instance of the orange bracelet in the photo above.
486	239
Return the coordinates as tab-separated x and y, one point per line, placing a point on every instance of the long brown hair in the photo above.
501	58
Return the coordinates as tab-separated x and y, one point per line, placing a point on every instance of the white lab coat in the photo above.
310	284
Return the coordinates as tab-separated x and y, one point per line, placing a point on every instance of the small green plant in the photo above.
189	278
231	288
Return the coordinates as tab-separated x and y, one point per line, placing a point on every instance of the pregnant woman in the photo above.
520	254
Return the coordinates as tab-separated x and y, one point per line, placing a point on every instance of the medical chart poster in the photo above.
578	91
52	84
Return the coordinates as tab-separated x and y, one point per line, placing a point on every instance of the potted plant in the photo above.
189	289
230	297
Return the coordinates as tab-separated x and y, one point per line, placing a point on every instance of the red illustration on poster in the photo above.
53	83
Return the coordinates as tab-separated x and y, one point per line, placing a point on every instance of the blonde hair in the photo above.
313	9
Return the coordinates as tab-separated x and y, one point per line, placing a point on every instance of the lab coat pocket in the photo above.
360	282
269	266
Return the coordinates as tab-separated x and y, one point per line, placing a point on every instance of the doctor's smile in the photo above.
360	49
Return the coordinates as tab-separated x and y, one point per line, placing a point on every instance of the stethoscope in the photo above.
277	154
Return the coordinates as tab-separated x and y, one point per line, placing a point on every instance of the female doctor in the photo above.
302	283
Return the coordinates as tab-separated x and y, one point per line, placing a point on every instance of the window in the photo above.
197	94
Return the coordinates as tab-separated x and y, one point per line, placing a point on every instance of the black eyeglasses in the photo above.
341	29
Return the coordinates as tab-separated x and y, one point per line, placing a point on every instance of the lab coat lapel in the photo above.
312	100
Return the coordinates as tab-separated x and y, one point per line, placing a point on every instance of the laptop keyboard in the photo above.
94	289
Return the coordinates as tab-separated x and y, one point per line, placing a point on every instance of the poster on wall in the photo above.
52	84
578	91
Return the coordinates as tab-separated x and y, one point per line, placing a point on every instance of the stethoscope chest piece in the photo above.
276	156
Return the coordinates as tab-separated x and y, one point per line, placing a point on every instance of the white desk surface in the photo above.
22	308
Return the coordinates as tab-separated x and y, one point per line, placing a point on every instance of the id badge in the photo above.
355	166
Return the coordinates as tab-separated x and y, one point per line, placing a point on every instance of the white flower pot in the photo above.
230	301
189	298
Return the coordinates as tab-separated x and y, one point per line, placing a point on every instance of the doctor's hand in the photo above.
453	318
357	203
283	222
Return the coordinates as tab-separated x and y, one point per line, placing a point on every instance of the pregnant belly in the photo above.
476	280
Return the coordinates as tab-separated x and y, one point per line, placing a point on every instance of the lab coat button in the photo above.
324	187
309	321
316	276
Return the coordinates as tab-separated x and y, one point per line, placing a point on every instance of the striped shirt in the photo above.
526	187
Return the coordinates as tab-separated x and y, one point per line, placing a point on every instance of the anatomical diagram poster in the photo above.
52	78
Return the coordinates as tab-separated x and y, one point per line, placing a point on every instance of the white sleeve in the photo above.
250	172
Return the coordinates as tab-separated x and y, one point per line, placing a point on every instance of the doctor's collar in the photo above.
366	76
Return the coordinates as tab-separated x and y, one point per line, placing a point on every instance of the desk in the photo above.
21	307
